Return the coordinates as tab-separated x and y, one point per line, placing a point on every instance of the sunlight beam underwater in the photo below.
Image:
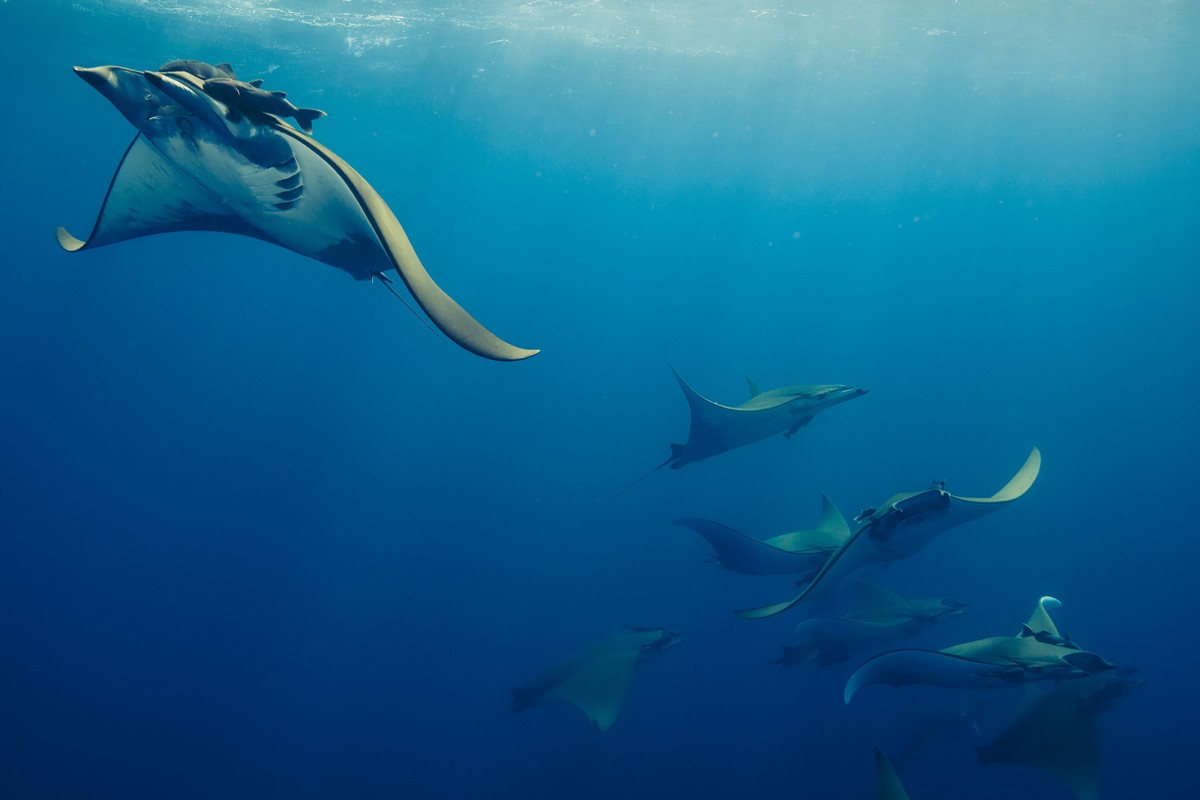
200	164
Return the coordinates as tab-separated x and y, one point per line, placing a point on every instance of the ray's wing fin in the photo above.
890	787
854	554
1039	620
453	320
149	195
741	553
599	685
832	520
708	418
830	534
933	667
1018	485
875	604
967	509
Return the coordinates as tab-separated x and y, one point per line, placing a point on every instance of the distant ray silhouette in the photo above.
1056	730
596	678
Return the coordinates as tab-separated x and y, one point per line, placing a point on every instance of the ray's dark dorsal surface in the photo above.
194	166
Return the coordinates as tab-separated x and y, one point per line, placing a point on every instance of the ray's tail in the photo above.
675	448
387	283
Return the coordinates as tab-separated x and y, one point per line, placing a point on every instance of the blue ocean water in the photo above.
264	535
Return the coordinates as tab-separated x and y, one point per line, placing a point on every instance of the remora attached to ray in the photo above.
879	617
901	527
717	429
241	96
1038	652
1056	730
194	166
785	554
596	678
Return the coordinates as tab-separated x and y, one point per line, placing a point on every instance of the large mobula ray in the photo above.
879	617
787	553
1038	652
901	527
198	164
717	429
1056	730
596	679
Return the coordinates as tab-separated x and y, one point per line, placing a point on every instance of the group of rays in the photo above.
213	153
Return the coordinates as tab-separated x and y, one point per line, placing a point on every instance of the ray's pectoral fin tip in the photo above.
68	242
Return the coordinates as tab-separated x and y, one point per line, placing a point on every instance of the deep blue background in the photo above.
262	535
